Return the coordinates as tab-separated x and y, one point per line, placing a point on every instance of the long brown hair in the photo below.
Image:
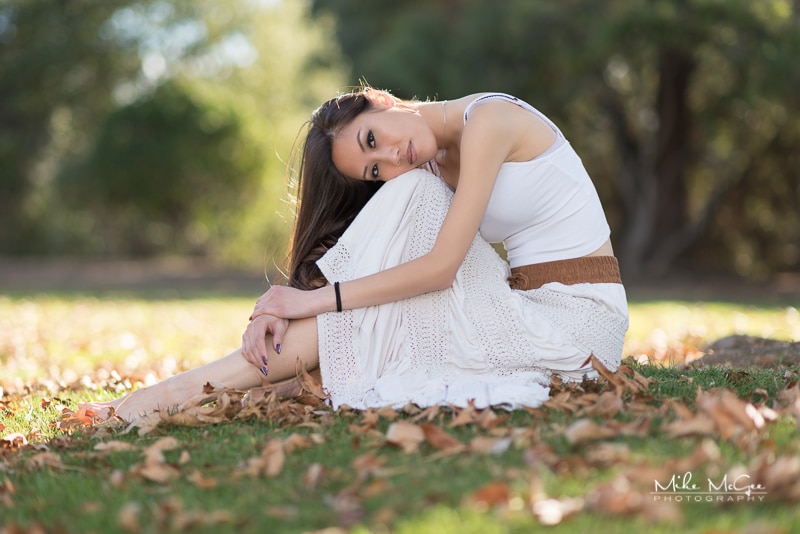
328	201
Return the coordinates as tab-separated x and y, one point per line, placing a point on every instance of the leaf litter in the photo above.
601	414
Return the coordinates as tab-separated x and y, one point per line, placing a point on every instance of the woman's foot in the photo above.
140	403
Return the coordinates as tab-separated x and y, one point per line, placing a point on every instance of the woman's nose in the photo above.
392	155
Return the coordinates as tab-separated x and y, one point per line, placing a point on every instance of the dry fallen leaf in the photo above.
45	459
199	481
405	435
313	476
128	517
584	430
439	439
114	446
14	441
159	473
274	457
491	494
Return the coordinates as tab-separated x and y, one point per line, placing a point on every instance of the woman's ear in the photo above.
381	98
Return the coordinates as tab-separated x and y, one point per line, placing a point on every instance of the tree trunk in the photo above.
657	208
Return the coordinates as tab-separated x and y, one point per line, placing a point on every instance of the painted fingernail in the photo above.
264	370
264	359
278	348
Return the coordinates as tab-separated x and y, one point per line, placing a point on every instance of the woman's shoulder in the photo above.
492	100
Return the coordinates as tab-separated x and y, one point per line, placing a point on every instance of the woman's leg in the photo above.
233	371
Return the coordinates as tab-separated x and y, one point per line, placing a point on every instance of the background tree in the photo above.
684	110
69	69
52	57
162	171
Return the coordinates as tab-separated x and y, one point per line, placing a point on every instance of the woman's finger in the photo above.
279	329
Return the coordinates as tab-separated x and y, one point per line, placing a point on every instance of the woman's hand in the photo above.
254	342
288	303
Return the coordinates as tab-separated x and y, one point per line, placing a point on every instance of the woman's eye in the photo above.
370	139
375	172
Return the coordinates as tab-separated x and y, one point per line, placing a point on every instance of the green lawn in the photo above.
587	461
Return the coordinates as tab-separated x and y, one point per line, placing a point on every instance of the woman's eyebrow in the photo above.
361	146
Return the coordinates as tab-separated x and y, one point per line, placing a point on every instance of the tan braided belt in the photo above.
588	270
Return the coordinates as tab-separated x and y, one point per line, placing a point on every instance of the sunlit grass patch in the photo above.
511	472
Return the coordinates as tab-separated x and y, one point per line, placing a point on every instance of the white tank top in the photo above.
545	209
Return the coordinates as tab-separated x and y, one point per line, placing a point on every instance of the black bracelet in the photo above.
338	297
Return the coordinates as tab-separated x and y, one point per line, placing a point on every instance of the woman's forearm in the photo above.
422	275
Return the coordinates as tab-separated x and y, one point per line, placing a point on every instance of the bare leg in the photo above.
231	371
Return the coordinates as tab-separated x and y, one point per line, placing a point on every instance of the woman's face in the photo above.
383	143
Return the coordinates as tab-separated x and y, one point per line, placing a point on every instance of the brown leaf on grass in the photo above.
154	454
608	454
311	384
199	481
271	460
563	402
114	446
489	420
313	476
154	467
349	508
159	473
146	424
625	378
699	425
428	414
274	457
128	517
607	404
14	441
117	479
405	435
731	414
439	439
619	497
71	420
297	441
45	459
788	401
465	416
706	451
7	492
489	445
491	494
778	477
194	519
720	413
367	465
584	430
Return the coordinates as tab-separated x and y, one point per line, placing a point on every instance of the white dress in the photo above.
478	341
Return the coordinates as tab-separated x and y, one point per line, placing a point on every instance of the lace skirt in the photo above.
478	341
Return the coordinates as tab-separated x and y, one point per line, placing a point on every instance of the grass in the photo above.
57	351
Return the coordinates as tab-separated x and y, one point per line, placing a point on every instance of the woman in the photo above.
407	302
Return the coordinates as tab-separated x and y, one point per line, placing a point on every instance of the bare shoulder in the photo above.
522	133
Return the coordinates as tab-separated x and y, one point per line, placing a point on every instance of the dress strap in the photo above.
513	100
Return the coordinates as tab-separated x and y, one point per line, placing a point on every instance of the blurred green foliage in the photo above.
163	171
132	128
685	112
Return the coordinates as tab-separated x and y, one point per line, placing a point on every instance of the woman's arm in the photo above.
491	136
